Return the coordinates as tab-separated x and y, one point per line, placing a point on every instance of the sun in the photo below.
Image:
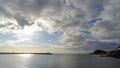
27	30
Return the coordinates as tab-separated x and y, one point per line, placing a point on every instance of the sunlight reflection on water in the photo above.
25	60
25	55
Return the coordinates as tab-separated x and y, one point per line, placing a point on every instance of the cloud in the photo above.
68	17
108	30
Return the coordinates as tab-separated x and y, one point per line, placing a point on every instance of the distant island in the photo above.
113	53
24	53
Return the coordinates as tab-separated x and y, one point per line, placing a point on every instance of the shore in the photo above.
115	53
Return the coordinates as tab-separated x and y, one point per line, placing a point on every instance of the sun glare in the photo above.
28	30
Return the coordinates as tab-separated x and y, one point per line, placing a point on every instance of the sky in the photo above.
59	26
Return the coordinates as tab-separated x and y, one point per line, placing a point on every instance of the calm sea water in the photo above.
57	61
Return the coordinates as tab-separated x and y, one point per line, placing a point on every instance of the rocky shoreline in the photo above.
113	53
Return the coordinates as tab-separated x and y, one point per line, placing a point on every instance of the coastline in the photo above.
115	53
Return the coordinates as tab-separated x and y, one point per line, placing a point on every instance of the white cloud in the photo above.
66	16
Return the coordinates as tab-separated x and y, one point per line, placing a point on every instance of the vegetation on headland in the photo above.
99	52
113	53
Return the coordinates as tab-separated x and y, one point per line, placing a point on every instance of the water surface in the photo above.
57	61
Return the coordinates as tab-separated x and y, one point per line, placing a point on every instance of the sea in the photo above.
57	61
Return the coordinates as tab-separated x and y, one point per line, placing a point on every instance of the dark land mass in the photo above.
25	53
113	53
99	52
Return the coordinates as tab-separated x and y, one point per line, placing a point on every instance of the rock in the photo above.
115	54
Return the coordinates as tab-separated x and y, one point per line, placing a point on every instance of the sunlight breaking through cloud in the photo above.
82	24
